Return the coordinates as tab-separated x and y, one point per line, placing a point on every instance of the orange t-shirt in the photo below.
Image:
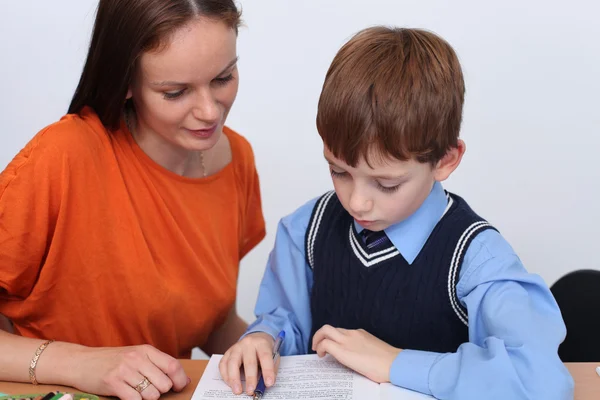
101	246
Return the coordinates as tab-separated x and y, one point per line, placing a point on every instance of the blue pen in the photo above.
260	388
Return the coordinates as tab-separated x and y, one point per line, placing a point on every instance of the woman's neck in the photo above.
168	155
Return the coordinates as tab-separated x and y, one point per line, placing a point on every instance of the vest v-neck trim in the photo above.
367	256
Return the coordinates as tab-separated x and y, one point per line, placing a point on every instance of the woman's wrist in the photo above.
61	364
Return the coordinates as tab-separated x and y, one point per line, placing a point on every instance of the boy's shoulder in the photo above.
490	239
299	218
492	243
297	222
488	247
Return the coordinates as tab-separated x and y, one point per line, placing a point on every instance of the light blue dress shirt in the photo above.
515	325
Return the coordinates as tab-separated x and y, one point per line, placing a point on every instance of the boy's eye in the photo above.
173	95
387	189
337	174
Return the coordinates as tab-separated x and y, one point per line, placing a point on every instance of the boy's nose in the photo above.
359	205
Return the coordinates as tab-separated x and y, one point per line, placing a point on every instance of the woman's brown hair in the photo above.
393	91
123	30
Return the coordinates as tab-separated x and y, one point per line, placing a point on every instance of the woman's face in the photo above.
183	91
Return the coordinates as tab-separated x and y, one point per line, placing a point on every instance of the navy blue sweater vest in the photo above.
410	306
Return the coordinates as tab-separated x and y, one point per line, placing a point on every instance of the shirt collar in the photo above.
409	236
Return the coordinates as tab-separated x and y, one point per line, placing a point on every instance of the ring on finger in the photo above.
140	387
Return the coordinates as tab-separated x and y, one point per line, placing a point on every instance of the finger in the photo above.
159	380
169	366
223	368
327	332
134	379
233	371
328	346
124	391
150	393
250	369
265	357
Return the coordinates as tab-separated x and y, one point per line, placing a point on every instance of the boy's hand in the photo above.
246	352
357	350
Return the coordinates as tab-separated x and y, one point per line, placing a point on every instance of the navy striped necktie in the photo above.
374	239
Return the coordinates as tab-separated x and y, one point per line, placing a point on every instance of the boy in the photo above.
395	278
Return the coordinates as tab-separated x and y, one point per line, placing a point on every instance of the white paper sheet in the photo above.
299	377
391	392
306	377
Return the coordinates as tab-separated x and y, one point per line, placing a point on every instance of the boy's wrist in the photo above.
390	362
261	334
261	328
411	369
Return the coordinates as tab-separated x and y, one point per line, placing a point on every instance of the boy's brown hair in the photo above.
395	91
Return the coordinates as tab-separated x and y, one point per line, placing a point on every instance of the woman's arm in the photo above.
5	324
55	364
104	371
228	334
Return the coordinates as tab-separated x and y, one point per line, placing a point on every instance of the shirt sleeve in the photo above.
30	199
515	328
284	296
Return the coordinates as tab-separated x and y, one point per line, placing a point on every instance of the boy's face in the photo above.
391	190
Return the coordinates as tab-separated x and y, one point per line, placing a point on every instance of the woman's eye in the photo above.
223	80
173	95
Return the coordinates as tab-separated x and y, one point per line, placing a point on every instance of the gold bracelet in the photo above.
35	359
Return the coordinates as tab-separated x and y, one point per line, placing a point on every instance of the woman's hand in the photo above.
117	371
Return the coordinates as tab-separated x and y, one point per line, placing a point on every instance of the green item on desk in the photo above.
76	396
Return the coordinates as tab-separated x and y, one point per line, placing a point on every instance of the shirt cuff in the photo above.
411	368
261	327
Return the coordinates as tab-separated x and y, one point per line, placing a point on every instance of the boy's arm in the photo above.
515	328
284	296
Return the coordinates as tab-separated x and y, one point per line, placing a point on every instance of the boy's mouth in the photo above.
365	223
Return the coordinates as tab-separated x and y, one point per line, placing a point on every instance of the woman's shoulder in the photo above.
70	143
73	138
80	132
73	134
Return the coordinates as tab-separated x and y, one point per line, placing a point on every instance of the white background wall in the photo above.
531	119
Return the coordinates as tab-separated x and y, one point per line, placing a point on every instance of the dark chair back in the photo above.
578	296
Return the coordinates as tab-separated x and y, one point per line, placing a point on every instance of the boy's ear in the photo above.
129	93
449	162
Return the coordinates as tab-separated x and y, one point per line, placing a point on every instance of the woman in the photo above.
122	225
